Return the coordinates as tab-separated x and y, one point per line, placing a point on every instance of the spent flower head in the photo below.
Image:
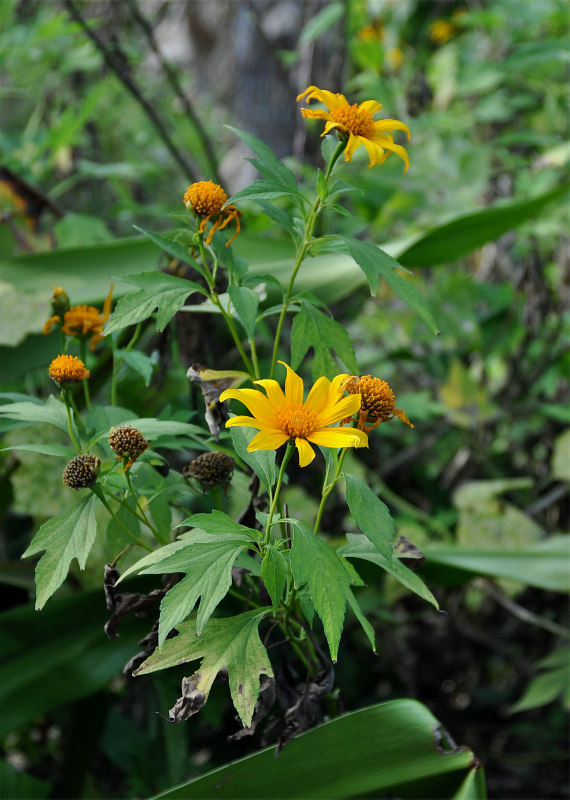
280	416
378	402
81	472
206	199
67	370
128	443
355	125
211	469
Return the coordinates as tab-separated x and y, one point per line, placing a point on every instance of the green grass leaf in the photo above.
313	328
165	293
63	537
371	515
232	643
389	749
459	237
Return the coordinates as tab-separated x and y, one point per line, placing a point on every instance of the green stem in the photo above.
286	458
309	228
328	489
253	351
233	330
83	356
141	515
117	363
216	498
74	441
97	490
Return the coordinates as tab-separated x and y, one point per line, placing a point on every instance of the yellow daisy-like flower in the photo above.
378	402
83	322
355	123
67	370
206	199
441	31
280	416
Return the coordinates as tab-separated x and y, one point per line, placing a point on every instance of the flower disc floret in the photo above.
67	370
356	125
378	402
207	199
283	415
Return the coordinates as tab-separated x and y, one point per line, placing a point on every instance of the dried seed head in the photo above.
81	472
128	443
211	469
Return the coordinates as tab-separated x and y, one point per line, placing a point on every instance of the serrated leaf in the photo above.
208	568
268	164
216	522
63	537
262	462
172	247
374	262
137	361
359	547
265	190
233	644
52	411
371	515
313	328
315	563
157	291
366	626
246	302
279	216
275	572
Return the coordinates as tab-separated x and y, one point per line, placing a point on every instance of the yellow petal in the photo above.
254	400
336	387
274	392
107	304
315	113
339	437
318	397
382	141
330	100
353	143
306	452
243	421
372	106
293	385
346	407
49	323
402	415
386	125
267	440
376	153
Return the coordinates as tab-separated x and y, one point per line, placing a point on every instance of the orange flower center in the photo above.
377	399
206	198
357	120
295	420
68	368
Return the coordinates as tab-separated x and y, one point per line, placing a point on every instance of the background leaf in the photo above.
313	328
371	515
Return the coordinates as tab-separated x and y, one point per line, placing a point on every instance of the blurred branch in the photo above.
177	89
520	612
118	63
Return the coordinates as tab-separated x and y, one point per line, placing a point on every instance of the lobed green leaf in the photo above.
313	328
371	515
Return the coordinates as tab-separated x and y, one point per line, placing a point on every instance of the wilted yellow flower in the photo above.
282	416
355	123
206	199
394	58
82	322
68	369
441	31
378	403
373	32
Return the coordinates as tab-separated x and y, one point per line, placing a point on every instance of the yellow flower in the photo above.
282	416
355	123
378	403
83	322
68	369
394	58
441	31
206	199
